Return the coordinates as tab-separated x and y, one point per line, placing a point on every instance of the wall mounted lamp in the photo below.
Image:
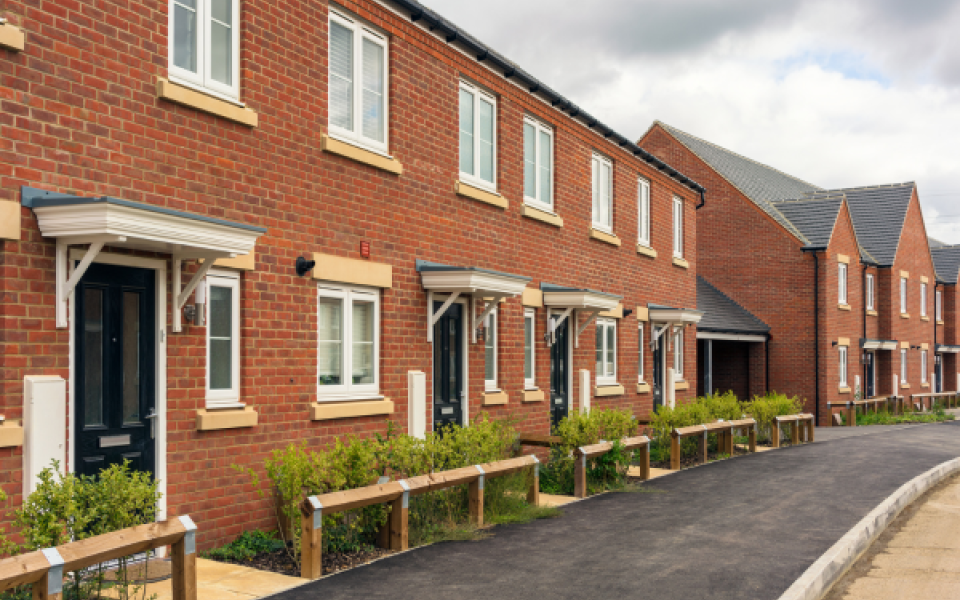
303	265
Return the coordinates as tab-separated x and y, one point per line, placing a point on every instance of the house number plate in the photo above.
446	411
112	441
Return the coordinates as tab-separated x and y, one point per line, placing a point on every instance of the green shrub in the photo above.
764	408
247	545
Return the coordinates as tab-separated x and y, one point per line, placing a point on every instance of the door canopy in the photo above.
866	344
943	349
570	300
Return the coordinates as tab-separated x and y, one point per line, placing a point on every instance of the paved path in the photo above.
739	529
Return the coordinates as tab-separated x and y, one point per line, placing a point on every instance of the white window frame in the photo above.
939	307
361	31
530	315
228	398
539	128
472	178
201	79
844	366
923	367
678	348
870	293
903	296
595	161
903	367
842	271
643	212
641	355
604	379
677	227
347	390
923	299
490	325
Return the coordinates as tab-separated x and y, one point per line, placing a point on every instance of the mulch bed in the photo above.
280	562
692	460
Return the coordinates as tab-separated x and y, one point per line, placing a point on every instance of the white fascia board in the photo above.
675	315
581	300
732	337
473	282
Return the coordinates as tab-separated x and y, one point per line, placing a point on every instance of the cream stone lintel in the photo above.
360	155
352	270
680	262
322	411
682	385
904	345
646	251
474	193
11	434
541	215
843	258
9	219
905	274
495	398
232	418
924	346
872	313
844	390
603	236
923	279
244	262
843	342
609	390
616	313
643	388
532	298
208	104
532	396
844	307
643	313
11	37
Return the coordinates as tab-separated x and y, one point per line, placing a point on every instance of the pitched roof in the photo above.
946	261
758	182
936	243
814	218
722	314
878	213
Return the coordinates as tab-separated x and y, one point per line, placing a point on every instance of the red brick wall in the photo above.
80	114
951	310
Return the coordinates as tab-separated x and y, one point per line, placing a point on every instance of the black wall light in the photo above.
627	312
304	265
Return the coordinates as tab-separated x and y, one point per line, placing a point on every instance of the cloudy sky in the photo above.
839	93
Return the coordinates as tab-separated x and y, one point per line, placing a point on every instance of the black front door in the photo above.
871	374
938	372
448	367
115	368
658	372
559	376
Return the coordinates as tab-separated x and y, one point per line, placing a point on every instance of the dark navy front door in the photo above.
448	367
559	376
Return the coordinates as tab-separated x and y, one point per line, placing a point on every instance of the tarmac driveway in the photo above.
738	529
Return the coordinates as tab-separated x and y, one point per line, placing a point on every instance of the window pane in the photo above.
600	369
330	339
528	347
466	132
185	35
611	349
221	312
221	41
640	353
221	337
596	191
485	140
341	76
373	112
607	195
131	357
529	161
546	168
363	342
489	350
92	357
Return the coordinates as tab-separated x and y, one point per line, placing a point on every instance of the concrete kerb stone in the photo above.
817	580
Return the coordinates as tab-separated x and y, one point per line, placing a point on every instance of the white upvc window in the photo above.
606	351
529	349
348	343
602	173
903	295
843	366
677	227
490	347
923	366
223	339
903	367
640	354
643	204
842	282
204	45
358	104
678	354
923	299
939	307
478	136
871	303
537	164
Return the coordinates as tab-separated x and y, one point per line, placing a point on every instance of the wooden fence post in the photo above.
675	451
50	586
645	462
184	577
703	447
851	415
580	475
311	538
399	532
775	432
752	434
794	432
810	429
533	492
476	499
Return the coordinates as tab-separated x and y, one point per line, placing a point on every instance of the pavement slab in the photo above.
734	529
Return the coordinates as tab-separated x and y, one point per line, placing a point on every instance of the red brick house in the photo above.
843	279
947	260
232	226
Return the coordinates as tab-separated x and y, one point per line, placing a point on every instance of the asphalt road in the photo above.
739	529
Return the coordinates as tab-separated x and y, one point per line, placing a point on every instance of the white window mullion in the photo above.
640	355
529	349
223	340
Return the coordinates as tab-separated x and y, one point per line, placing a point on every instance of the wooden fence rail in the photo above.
397	494
724	431
583	453
949	398
44	569
801	428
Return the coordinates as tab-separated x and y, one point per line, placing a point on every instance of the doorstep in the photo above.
223	581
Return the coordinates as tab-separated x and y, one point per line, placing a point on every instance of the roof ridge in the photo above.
810	199
738	155
866	187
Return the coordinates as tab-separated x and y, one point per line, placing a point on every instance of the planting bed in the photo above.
692	460
279	561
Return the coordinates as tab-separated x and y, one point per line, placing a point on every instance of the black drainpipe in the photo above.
703	198
766	375
863	315
816	323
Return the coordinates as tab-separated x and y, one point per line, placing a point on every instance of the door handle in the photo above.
152	417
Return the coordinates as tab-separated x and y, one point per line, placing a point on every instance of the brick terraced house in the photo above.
842	280
947	313
230	225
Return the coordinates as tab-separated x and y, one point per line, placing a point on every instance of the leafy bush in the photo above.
764	408
247	545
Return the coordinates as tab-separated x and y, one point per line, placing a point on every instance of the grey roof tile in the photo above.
722	314
815	218
936	243
946	261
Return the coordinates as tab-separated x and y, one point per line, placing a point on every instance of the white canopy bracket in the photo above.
487	309
552	331
66	284
433	317
192	285
581	328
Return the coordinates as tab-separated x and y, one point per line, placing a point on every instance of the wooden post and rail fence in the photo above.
927	401
894	404
801	429
584	453
44	569
724	431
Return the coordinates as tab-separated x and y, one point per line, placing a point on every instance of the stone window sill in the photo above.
11	434
608	390
605	237
925	319
322	411
173	92
904	315
532	212
360	155
681	385
872	313
11	37
924	385
845	390
474	193
845	307
646	251
940	323
495	398
904	386
532	396
643	388
680	262
230	418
